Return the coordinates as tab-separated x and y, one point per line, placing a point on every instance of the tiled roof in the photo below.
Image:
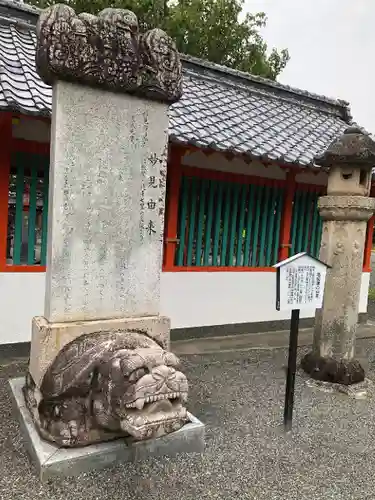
21	88
221	109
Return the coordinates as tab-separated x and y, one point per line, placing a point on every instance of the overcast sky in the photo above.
332	48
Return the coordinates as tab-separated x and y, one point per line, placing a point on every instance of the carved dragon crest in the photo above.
107	51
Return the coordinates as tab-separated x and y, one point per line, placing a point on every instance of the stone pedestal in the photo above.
53	462
100	368
345	212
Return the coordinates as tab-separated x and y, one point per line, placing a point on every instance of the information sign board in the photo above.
300	283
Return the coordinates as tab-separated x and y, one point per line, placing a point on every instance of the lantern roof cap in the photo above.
354	147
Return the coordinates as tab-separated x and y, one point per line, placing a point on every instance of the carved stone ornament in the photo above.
353	147
107	51
346	208
104	386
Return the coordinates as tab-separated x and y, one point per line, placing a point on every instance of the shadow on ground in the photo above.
239	395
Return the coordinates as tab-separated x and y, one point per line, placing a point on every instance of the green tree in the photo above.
216	30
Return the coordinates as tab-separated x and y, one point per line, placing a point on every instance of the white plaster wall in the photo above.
312	177
190	299
217	161
219	298
21	298
363	299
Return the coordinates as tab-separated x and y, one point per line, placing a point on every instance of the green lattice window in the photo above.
306	232
27	209
227	223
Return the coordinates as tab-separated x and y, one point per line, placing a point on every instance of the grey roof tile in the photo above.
221	108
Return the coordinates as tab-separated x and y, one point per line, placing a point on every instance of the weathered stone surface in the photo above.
52	461
345	179
346	208
353	147
49	338
106	213
345	212
107	51
105	385
338	371
342	247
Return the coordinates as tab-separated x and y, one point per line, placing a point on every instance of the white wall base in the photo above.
223	298
21	298
189	299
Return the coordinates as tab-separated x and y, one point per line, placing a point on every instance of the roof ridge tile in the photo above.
241	75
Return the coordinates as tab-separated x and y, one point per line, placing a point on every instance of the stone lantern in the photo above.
345	212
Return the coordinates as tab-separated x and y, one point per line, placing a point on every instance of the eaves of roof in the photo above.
222	109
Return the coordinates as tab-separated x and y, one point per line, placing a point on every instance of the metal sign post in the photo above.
291	373
299	284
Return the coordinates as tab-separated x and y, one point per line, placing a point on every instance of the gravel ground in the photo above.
329	455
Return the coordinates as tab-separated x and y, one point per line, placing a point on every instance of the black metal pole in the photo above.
291	375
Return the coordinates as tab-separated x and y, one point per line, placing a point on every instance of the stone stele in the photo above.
345	212
100	366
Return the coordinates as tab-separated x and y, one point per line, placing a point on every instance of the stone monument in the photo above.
100	367
345	212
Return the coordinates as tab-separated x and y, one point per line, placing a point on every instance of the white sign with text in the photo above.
300	283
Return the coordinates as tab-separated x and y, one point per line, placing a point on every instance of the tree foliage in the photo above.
216	30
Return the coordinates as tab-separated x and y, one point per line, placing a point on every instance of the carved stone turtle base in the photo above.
81	428
106	385
52	461
49	338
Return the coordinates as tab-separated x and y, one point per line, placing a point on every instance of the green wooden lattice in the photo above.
28	207
228	224
306	231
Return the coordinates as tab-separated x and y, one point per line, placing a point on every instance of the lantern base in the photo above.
338	371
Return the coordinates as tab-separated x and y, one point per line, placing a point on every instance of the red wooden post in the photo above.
32	147
368	245
5	150
286	220
173	187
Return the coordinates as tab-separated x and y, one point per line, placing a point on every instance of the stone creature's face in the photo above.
143	391
106	385
124	20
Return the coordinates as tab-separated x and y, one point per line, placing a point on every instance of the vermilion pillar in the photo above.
369	238
173	187
368	245
286	221
5	151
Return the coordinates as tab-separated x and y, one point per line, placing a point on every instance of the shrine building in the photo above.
242	190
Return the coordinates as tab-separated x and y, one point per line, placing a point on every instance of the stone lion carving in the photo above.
107	51
106	385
